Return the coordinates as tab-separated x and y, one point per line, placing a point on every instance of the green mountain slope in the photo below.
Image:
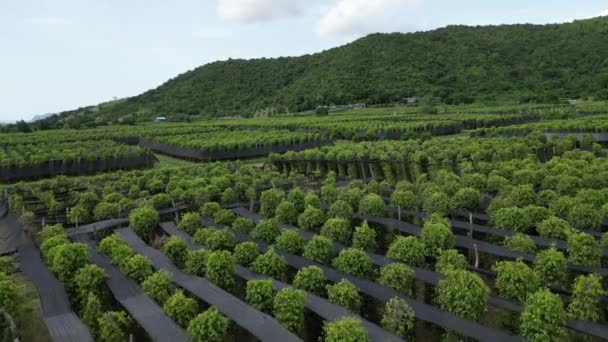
460	64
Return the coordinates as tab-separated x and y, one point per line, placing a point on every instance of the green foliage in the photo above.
310	279
9	294
354	261
7	265
190	223
288	308
246	252
604	241
180	308
345	294
552	268
543	317
513	219
466	199
522	195
584	249
373	205
210	208
341	209
584	216
346	329
105	210
224	216
364	237
219	269
68	259
352	196
209	326
269	201
92	310
270	264
90	279
436	202
114	326
158	286
450	259
260	294
311	219
176	249
463	293
243	224
398	317
220	239
49	231
266	230
515	280
50	245
554	227
296	196
137	267
312	200
404	199
408	250
290	241
520	242
586	295
202	235
195	261
436	235
398	277
286	212
143	221
319	249
337	229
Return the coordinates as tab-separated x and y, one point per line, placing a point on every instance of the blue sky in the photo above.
62	54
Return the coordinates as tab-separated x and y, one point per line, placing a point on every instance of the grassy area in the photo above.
166	161
29	317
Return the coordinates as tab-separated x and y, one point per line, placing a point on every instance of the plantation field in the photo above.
484	223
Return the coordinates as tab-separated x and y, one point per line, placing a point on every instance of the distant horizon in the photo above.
82	53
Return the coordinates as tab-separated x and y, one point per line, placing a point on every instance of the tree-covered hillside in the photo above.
459	64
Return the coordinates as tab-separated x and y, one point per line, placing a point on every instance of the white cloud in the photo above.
253	11
604	13
357	17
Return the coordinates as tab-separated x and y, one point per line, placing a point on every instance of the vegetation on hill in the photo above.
457	64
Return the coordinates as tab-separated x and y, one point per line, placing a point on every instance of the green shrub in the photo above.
271	264
436	235
243	224
180	308
143	221
408	250
158	286
288	308
209	326
543	317
219	269
398	277
515	280
286	212
355	262
260	294
114	326
345	294
347	329
290	241
552	268
519	242
372	205
266	230
195	262
176	249
586	295
137	267
337	229
398	317
364	237
310	279
311	219
190	223
450	259
584	249
269	201
319	249
246	252
463	293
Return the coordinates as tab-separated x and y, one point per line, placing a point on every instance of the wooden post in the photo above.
476	256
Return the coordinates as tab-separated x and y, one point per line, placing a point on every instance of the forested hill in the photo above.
460	64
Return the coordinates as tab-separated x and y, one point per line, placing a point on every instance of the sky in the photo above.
58	55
